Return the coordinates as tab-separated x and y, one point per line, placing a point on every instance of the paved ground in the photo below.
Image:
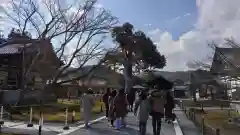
205	108
21	128
99	127
102	128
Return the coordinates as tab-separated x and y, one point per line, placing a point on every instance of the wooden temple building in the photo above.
226	65
25	64
223	77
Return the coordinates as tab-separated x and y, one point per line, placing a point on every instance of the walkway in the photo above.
99	127
102	128
187	126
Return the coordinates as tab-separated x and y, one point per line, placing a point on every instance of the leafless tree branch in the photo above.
206	62
75	26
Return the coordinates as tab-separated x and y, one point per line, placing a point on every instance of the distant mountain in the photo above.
110	75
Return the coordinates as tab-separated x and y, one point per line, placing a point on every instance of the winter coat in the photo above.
169	103
120	105
111	108
157	101
143	107
87	104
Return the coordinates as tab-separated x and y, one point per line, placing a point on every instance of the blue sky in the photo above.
174	16
180	29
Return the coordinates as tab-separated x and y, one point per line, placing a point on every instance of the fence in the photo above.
193	115
65	111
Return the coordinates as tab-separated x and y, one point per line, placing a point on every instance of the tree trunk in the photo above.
128	75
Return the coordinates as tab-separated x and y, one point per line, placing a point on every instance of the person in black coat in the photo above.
169	106
131	98
105	99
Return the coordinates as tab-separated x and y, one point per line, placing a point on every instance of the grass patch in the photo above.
56	112
205	103
219	119
69	102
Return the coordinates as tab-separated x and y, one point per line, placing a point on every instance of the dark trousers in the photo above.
168	113
107	109
130	107
156	122
112	122
142	127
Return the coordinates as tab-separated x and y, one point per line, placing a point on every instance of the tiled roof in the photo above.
226	60
11	48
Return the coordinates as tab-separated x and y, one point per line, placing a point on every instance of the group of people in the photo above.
115	103
116	107
156	103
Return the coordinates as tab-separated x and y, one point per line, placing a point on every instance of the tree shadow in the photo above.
103	131
132	131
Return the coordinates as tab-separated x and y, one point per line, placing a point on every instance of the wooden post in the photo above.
185	110
189	114
73	116
30	119
202	108
203	125
194	115
1	116
101	107
229	113
40	124
181	104
66	127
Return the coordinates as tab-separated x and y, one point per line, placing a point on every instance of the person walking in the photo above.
87	103
120	105
131	98
144	109
105	99
169	106
157	102
112	108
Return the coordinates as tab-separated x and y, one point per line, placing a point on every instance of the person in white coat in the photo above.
87	105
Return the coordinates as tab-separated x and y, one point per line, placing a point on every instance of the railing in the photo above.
206	129
69	114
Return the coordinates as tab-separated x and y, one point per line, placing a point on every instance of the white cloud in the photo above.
217	19
154	32
98	5
176	18
148	25
187	14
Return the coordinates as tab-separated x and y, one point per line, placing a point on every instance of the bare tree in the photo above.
77	30
206	62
